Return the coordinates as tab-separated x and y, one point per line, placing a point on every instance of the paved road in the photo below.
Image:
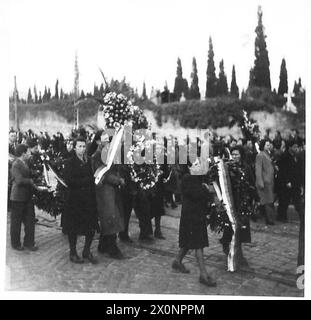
147	268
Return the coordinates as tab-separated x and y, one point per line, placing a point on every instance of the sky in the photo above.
142	39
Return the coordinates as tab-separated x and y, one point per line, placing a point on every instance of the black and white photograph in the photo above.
155	148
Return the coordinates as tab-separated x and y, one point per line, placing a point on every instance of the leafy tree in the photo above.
261	64
211	80
222	84
283	86
234	89
194	92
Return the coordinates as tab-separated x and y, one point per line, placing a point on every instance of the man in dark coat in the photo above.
128	197
80	215
22	208
290	180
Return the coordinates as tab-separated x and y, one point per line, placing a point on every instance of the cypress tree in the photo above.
45	94
179	81
82	95
95	91
194	92
222	84
234	89
101	89
35	94
211	80
40	98
56	90
283	86
261	64
251	81
144	94
49	95
297	87
29	97
61	96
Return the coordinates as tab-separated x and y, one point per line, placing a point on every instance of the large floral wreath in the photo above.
52	199
241	189
145	175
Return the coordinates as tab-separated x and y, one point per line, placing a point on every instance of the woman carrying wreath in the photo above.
240	173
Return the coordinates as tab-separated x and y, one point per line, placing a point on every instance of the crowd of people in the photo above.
274	169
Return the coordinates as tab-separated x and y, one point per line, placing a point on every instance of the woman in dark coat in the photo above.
193	225
80	214
109	201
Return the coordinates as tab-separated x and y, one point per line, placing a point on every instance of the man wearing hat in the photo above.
22	208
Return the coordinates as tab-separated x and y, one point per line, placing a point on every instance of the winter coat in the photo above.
264	178
80	214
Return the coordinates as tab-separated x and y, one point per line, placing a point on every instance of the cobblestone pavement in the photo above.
272	256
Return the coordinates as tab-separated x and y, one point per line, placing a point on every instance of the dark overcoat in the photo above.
193	224
108	198
80	214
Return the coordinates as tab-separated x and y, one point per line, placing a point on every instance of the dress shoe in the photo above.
31	248
88	256
179	267
243	262
147	239
270	223
125	239
18	248
159	235
76	259
116	254
208	281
